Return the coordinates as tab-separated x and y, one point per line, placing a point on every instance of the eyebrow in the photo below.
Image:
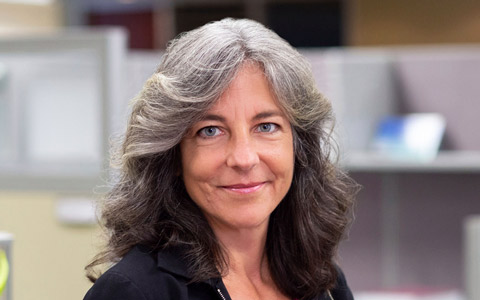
211	117
267	114
259	116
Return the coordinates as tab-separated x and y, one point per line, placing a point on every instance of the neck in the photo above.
248	274
245	249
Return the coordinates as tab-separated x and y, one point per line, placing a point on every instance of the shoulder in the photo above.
341	290
113	285
136	276
137	263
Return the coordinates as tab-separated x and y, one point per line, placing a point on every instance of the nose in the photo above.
242	154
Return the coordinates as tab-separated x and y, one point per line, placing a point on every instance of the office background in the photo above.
409	230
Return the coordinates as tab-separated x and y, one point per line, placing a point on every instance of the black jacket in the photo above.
142	275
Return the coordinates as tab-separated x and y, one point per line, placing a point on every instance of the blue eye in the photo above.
267	127
209	131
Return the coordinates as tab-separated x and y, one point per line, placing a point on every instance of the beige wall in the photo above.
48	257
16	18
388	22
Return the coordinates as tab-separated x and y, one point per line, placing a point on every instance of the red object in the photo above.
138	24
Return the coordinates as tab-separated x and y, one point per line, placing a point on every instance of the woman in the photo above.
226	189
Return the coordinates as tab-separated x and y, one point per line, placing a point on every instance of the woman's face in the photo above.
237	163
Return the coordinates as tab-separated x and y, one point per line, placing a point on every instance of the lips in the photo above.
244	188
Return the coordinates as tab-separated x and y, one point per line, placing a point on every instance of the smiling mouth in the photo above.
244	188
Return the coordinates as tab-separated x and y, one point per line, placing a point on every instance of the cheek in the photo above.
198	168
191	179
280	160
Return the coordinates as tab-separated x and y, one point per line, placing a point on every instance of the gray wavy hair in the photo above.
149	204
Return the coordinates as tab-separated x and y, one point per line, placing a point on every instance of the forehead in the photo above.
248	92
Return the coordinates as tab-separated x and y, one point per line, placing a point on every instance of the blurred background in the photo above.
68	70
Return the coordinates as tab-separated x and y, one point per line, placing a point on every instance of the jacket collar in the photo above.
172	260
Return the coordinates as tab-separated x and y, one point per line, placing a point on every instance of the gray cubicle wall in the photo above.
472	256
360	85
444	80
59	96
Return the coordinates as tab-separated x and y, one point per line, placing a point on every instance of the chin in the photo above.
249	221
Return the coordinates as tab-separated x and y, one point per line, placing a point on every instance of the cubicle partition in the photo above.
60	97
472	256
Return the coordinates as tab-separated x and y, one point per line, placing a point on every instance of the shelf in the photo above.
445	162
